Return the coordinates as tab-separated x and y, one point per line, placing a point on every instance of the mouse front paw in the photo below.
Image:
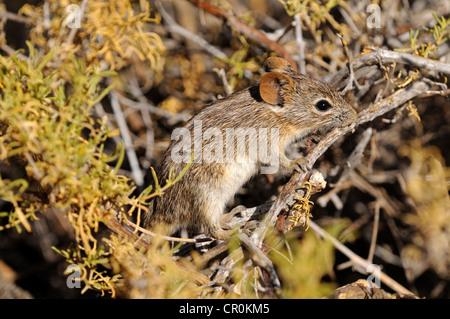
301	165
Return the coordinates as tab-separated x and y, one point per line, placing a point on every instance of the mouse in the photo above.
232	139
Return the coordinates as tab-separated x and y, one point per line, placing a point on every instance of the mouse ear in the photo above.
278	64
274	86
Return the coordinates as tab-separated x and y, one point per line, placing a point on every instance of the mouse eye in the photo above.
323	105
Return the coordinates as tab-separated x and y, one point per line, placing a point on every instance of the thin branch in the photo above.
37	174
360	264
11	51
352	162
116	226
356	156
136	91
261	260
373	240
138	177
343	11
177	117
152	234
433	92
300	43
139	241
15	17
393	101
212	253
73	31
174	27
254	34
46	15
383	199
386	56
223	76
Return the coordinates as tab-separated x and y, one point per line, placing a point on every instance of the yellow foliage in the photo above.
303	263
427	183
110	31
152	273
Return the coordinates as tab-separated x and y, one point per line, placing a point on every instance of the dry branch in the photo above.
14	17
381	56
254	244
254	34
138	177
360	264
174	27
300	43
261	260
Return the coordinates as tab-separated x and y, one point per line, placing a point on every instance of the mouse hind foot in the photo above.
220	233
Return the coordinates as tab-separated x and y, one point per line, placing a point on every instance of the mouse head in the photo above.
301	99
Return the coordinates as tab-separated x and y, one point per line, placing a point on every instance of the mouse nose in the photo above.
349	116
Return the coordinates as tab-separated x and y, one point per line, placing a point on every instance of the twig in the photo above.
152	234
252	33
113	224
174	27
373	240
393	101
300	43
15	17
357	154
387	255
226	265
73	31
433	92
101	113
37	174
298	178
378	193
361	264
212	253
181	117
138	177
385	56
352	79
353	160
136	91
261	260
343	11
11	51
116	226
324	199
223	76
150	137
46	15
